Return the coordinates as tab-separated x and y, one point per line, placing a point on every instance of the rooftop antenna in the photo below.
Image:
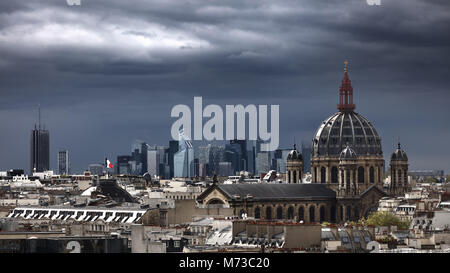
39	116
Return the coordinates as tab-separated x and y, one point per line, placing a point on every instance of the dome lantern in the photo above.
346	92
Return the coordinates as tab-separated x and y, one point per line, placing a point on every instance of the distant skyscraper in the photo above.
96	169
251	156
243	161
39	148
139	158
184	158
279	160
123	165
306	153
225	169
173	148
153	160
216	155
263	163
63	162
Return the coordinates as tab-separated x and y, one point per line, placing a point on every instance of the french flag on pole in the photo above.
108	164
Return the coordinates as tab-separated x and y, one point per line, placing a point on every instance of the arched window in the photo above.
341	213
393	177
361	175
405	177
279	213
372	175
215	201
400	177
295	176
312	216
356	214
268	213
333	214
334	174
290	213
289	176
301	214
322	214
322	175
349	213
257	213
315	174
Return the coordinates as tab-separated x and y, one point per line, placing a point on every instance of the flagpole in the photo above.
106	165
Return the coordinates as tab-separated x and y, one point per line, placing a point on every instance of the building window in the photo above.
361	175
312	216
322	214
289	176
333	214
349	213
322	175
269	213
290	213
334	174
301	214
257	213
372	175
279	213
295	176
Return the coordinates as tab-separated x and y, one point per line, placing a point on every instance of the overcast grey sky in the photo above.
109	71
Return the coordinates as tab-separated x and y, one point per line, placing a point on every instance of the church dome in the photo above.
346	127
348	154
294	154
399	154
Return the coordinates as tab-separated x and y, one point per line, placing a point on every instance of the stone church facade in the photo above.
347	174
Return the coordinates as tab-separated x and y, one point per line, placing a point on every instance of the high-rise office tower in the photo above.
153	159
184	158
39	148
263	162
139	158
251	156
63	162
279	160
123	165
216	155
243	161
173	148
306	153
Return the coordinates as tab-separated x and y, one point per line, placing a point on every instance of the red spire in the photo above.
346	93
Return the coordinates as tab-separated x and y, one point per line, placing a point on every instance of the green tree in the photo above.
384	218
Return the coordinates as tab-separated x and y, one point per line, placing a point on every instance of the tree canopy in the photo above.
384	218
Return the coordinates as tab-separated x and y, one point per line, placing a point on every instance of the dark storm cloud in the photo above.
108	72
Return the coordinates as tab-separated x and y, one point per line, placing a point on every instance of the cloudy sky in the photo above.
109	71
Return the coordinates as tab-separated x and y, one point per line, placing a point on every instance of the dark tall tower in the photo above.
173	148
39	148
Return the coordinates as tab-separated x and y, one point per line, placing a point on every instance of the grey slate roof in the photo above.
278	191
